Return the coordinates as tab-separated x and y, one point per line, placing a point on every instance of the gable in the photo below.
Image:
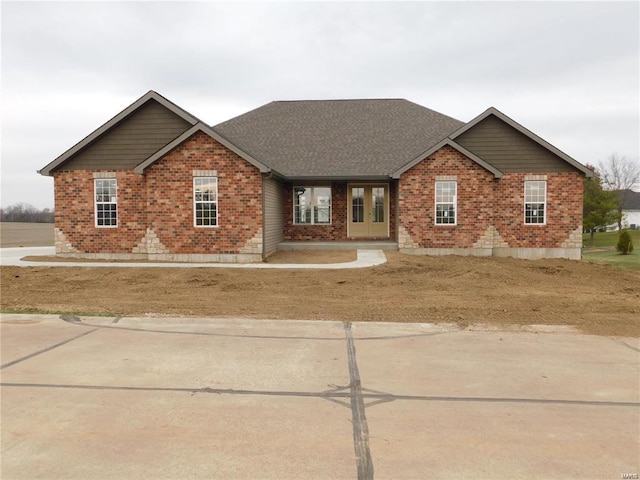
186	135
509	150
131	141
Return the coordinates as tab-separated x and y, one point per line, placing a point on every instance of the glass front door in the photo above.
368	210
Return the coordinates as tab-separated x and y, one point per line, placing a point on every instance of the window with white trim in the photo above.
535	202
205	201
311	205
106	202
446	202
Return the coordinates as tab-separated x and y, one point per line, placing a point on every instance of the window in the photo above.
205	201
357	205
106	202
311	205
535	200
446	203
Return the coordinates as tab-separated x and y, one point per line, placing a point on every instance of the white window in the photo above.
205	201
535	202
106	204
311	205
446	202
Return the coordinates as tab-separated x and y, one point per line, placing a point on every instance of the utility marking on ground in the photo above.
359	418
44	350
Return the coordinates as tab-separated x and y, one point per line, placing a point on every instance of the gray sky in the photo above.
568	71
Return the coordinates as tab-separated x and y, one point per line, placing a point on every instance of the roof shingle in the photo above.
337	138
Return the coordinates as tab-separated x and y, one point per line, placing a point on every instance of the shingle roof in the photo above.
630	199
338	138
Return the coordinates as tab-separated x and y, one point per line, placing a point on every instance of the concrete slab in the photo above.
499	365
128	398
93	434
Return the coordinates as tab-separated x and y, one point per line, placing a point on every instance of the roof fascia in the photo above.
442	143
338	178
150	95
526	132
200	127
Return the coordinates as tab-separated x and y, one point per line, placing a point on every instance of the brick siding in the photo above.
337	231
485	204
161	200
75	216
170	198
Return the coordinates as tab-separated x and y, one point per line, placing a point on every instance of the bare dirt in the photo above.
597	299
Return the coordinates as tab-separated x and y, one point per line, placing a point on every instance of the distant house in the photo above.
156	182
630	209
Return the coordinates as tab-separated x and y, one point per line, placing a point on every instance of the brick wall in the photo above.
416	201
484	204
169	190
75	217
162	200
337	231
564	210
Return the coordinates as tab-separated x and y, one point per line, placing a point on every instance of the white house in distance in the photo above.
630	209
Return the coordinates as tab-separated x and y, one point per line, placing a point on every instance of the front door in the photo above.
368	210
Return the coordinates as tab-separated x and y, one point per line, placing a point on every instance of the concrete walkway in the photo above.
201	398
13	257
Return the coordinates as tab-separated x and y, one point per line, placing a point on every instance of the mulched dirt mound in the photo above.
597	299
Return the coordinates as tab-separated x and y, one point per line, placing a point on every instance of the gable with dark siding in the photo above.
131	141
509	150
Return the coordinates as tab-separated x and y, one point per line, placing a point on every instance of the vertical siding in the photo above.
509	150
131	141
273	215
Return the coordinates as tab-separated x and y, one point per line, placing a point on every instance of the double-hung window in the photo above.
311	205
535	202
446	202
205	201
106	202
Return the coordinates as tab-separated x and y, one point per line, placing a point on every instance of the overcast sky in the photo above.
568	71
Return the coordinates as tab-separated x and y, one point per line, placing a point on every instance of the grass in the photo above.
604	251
613	258
609	239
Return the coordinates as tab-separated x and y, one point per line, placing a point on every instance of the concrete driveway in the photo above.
180	398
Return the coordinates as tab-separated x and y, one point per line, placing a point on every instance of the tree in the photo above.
599	207
625	244
24	212
620	174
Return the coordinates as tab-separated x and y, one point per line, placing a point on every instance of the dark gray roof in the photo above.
630	199
338	138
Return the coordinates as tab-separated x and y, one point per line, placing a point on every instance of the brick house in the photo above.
156	182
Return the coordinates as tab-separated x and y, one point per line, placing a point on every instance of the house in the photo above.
156	182
630	209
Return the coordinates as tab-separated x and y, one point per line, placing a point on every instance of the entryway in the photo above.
368	210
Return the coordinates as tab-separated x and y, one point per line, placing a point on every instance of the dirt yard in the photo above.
597	299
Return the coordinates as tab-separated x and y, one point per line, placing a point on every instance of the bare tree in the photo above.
620	174
24	212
